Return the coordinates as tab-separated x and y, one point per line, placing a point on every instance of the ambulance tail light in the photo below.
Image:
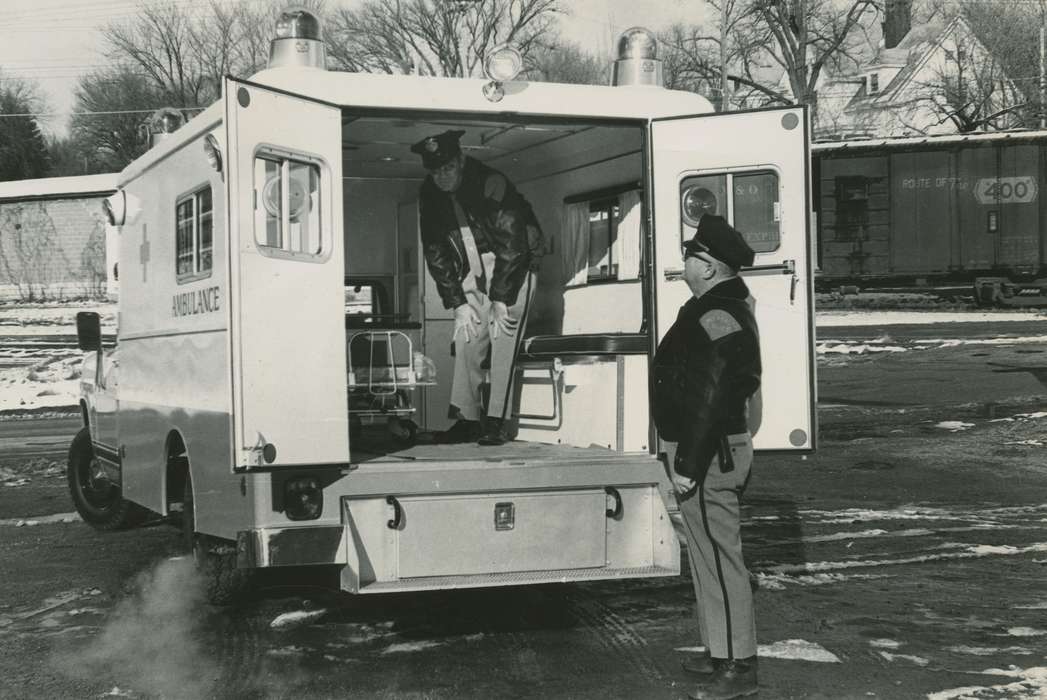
637	62
303	498
298	42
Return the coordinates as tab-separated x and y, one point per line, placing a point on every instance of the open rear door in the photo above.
284	186
752	169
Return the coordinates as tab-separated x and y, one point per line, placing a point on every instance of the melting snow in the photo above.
918	660
1032	686
797	650
969	552
296	618
40	520
953	425
410	646
1026	632
886	318
989	651
778	582
885	644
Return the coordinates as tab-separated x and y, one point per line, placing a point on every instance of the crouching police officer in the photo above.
706	369
482	244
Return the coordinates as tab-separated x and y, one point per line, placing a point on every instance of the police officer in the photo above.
705	371
481	243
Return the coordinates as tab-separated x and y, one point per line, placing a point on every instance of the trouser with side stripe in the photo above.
469	357
712	528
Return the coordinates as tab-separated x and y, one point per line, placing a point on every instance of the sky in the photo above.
55	41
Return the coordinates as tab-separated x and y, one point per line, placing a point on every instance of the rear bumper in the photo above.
465	540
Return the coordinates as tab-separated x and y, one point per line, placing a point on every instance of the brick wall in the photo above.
52	249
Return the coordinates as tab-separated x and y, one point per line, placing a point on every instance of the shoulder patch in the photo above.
719	323
494	188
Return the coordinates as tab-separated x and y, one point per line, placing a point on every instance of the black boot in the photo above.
461	431
494	433
733	678
700	664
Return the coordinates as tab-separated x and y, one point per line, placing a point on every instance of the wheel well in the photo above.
84	414
177	471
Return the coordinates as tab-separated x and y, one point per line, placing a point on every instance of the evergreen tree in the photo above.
23	151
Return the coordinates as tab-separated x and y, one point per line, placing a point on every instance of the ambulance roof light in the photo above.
637	62
298	23
298	41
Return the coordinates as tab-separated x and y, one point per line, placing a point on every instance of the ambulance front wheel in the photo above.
214	557
97	499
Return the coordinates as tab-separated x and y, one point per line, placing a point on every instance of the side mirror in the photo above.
88	331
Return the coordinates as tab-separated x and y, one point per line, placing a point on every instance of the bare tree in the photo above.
435	37
970	89
769	38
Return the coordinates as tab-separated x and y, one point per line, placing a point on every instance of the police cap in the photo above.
438	149
720	240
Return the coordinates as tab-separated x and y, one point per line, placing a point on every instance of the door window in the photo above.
748	200
287	206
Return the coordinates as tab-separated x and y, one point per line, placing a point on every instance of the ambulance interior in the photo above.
583	181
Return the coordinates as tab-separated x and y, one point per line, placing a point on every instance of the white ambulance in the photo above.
260	239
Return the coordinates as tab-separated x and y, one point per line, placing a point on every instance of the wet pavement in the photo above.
906	559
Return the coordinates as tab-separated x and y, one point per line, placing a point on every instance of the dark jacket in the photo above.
706	368
501	221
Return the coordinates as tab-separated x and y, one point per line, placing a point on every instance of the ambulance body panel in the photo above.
240	372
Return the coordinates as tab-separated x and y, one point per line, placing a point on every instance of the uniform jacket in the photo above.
501	221
706	368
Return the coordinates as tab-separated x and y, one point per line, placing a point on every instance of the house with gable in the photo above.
930	79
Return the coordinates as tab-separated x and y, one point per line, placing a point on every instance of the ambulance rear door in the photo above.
752	168
284	185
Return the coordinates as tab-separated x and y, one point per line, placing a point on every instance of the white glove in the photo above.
683	485
466	321
501	320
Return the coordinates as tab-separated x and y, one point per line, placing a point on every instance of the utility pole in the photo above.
725	84
1043	74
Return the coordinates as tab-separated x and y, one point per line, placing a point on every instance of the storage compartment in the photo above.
481	534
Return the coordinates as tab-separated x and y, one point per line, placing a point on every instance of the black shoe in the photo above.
700	664
494	433
461	431
733	678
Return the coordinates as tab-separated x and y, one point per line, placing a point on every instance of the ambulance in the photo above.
258	240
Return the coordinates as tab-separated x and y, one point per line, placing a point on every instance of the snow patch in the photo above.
797	650
296	618
885	644
779	582
1026	632
918	660
1032	686
407	647
968	552
40	520
953	426
989	651
886	318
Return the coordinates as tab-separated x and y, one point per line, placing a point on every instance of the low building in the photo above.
55	242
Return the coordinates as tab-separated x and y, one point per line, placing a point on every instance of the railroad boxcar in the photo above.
934	210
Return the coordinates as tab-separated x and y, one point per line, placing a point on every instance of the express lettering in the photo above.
200	301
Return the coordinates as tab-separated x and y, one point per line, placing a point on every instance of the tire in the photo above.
97	500
214	557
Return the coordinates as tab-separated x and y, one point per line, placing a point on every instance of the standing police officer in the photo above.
482	243
706	369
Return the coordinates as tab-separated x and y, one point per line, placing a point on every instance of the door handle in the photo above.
398	513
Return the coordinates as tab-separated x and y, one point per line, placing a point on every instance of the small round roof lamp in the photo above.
297	23
503	63
637	42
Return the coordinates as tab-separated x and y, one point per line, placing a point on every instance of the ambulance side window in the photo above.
748	200
194	235
287	205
